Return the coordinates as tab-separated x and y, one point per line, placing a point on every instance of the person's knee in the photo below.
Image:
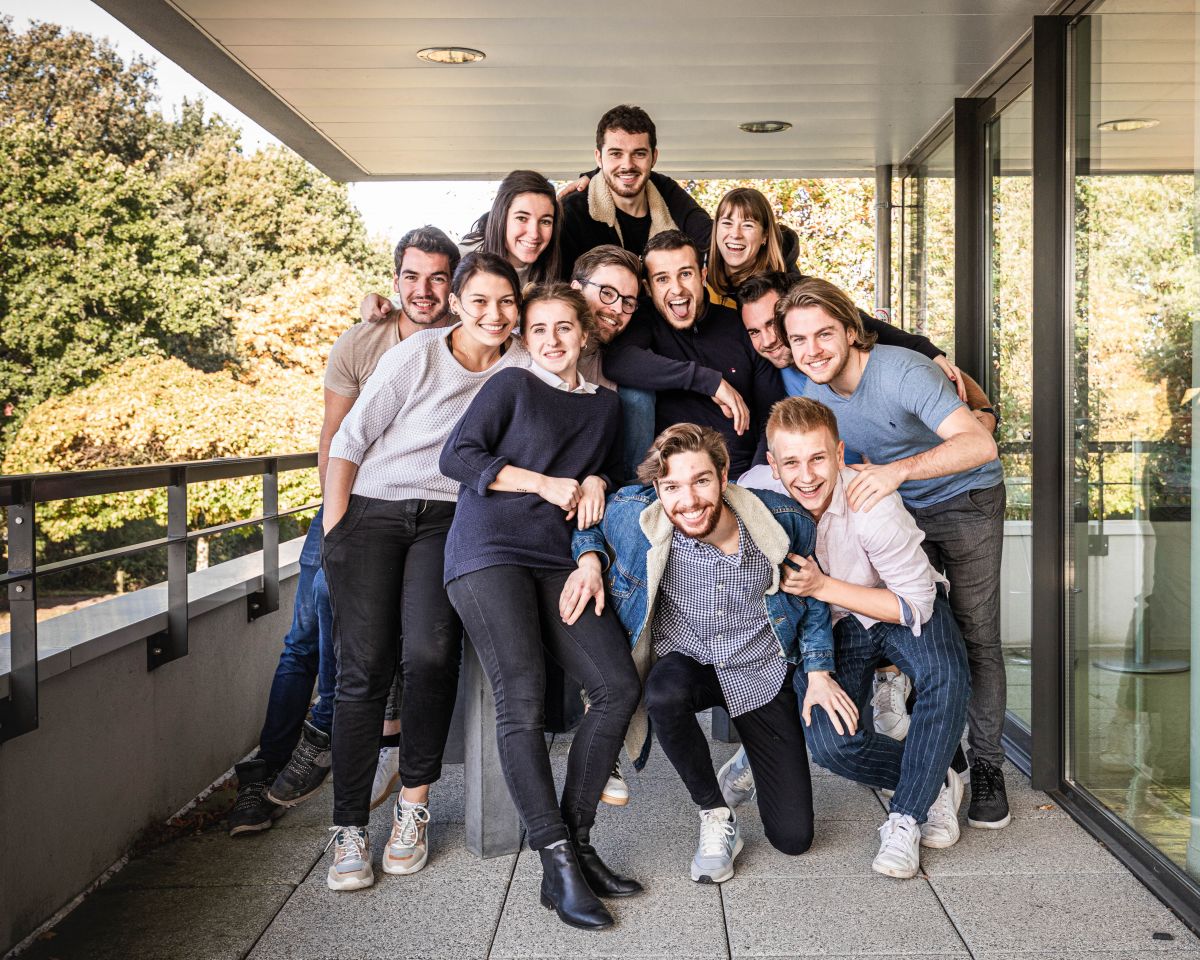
665	697
792	838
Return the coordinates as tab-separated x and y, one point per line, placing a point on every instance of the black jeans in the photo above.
384	564
511	616
677	688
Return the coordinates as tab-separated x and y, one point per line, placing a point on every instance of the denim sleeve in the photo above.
591	540
816	636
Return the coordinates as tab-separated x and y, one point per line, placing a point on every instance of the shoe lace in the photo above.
896	834
714	834
251	795
304	756
892	689
616	771
350	841
744	779
985	780
410	817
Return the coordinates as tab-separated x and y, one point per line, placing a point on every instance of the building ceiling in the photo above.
861	81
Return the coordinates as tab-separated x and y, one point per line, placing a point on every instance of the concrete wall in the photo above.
119	748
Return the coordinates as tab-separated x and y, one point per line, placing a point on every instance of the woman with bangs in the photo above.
746	241
536	452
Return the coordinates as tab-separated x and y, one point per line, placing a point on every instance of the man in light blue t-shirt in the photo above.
900	412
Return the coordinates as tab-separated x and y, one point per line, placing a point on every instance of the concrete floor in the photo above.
1040	889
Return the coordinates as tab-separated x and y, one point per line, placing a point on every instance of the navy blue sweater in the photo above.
520	420
716	342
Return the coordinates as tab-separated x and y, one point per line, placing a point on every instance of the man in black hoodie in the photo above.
625	203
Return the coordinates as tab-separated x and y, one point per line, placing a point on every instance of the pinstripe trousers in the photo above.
937	663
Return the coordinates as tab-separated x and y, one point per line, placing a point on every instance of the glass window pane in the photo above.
928	295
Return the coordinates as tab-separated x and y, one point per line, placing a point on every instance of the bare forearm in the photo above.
339	481
874	602
976	398
512	479
953	455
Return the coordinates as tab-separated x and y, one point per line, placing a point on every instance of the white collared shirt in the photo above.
558	383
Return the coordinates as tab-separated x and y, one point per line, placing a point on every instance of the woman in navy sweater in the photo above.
535	453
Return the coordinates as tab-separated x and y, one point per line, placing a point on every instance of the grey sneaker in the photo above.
407	849
736	780
720	843
351	869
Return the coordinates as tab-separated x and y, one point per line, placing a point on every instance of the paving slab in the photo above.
1023	800
1063	912
676	918
835	798
841	848
832	916
1080	955
393	919
1027	845
216	923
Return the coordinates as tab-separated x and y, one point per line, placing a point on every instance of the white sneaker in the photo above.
736	780
387	775
616	790
351	869
720	843
407	848
889	697
940	828
899	848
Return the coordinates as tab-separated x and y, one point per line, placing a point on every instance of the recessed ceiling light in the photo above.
764	126
1126	124
450	55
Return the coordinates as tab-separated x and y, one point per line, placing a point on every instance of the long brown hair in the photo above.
751	205
489	230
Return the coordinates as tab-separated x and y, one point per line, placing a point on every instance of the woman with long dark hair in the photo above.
523	226
535	453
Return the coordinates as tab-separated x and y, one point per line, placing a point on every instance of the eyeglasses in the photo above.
609	295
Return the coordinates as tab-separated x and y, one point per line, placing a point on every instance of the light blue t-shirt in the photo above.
794	382
900	402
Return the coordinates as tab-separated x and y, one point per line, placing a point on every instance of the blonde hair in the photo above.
752	205
800	415
813	292
682	438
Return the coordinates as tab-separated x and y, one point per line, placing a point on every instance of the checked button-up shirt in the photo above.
711	607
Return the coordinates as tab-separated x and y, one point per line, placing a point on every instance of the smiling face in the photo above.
424	286
820	343
611	318
807	464
676	285
625	161
528	227
555	338
690	492
739	238
487	308
758	317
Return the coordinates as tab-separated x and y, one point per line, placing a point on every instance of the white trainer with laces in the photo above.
720	843
387	775
736	779
889	702
899	847
407	848
941	828
351	869
616	790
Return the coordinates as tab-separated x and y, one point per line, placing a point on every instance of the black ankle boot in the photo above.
599	877
566	892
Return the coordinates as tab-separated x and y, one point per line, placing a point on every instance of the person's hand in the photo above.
583	585
989	422
826	693
563	492
952	372
331	517
873	483
733	406
804	582
375	308
575	186
591	502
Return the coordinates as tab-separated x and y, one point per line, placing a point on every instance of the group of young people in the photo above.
532	450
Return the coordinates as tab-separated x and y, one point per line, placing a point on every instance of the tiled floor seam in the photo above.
725	922
504	904
932	889
296	886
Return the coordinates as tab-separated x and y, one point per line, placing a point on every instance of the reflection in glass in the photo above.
1134	386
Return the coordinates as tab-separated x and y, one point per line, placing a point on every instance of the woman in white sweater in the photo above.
387	512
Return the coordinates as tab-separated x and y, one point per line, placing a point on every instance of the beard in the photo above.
702	531
419	318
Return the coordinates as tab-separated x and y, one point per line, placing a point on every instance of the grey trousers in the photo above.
964	537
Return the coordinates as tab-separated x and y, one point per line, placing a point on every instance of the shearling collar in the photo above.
603	209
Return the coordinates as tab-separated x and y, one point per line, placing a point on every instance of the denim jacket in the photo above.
634	540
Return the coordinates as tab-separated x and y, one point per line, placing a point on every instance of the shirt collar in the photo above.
837	503
558	383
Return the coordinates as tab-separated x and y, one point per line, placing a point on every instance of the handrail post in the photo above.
172	643
267	599
19	713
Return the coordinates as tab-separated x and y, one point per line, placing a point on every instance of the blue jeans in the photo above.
637	421
937	663
300	662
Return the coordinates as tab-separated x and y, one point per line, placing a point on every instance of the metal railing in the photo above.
22	493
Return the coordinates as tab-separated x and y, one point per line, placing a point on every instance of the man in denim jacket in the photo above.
693	569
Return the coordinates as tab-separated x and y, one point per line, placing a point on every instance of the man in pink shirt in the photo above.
887	602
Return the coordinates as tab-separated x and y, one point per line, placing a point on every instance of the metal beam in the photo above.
883	238
972	301
1051	417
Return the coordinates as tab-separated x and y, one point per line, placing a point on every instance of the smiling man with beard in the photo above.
695	577
710	338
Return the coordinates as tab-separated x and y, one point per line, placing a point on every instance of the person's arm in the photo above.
768	390
375	308
339	481
892	336
688	215
336	408
630	361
